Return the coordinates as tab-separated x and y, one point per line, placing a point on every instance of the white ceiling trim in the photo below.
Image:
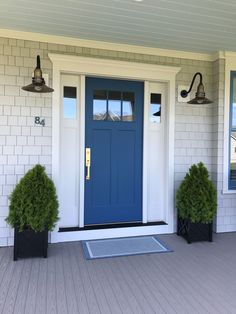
8	33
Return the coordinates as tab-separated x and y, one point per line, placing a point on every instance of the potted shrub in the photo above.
33	211
196	202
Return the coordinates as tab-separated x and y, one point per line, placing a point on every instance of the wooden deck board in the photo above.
111	297
69	283
92	302
13	288
6	280
31	298
22	294
195	278
78	284
41	301
51	283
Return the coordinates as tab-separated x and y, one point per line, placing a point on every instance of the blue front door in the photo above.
114	135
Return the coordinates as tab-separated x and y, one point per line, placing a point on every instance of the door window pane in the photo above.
155	108
128	106
99	105
114	106
69	102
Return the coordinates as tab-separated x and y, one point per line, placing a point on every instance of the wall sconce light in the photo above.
38	83
200	98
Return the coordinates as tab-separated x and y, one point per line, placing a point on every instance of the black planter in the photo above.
29	243
194	232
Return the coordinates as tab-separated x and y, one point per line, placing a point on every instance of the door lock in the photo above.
88	162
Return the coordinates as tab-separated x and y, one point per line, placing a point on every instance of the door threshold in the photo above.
112	226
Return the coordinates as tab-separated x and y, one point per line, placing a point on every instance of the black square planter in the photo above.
29	243
194	232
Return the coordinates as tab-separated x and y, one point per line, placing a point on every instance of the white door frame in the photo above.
120	70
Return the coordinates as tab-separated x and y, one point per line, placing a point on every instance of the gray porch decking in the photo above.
196	278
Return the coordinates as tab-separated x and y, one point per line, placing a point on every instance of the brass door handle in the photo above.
88	162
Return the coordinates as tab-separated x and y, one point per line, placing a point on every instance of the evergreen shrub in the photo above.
33	202
196	198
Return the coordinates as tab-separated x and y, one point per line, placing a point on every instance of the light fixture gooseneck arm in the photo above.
200	98
185	93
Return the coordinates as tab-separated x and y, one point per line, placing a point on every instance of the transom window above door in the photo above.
113	105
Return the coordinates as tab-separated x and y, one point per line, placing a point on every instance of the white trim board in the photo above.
70	41
230	65
113	69
111	233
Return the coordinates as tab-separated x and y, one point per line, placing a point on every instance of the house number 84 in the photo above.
40	121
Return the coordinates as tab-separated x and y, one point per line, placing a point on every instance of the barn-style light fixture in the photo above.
200	98
38	83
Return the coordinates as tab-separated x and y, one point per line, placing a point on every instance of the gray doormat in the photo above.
123	247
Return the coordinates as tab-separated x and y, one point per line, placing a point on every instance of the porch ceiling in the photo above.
200	26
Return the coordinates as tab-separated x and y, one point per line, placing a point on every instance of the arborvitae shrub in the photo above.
196	198
33	203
